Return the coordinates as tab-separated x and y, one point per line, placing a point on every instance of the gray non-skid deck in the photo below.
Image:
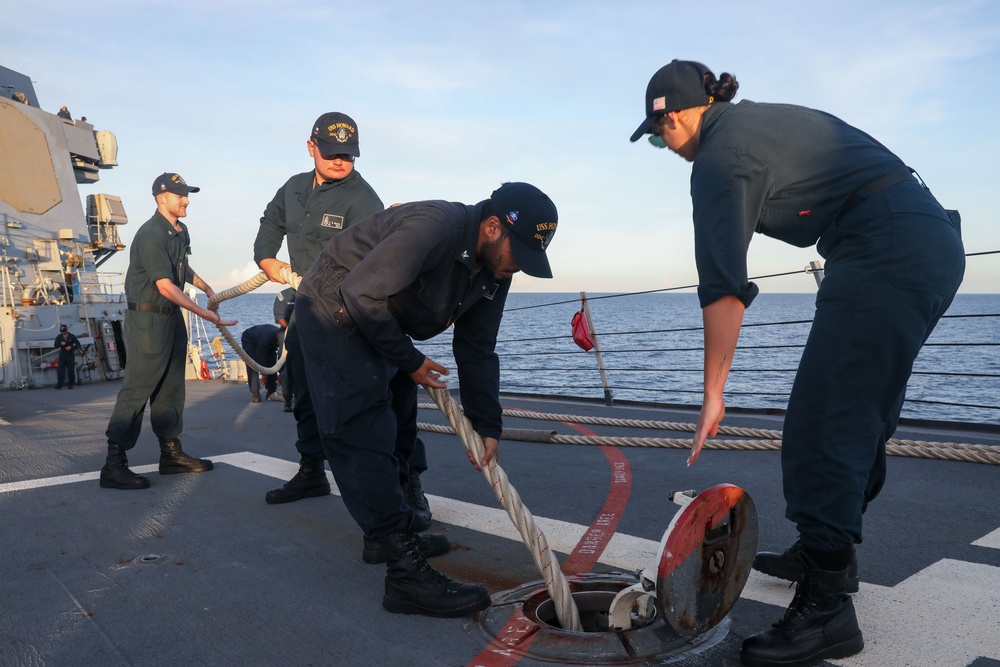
198	570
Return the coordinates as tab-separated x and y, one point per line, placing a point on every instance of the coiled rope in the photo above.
524	521
290	278
759	439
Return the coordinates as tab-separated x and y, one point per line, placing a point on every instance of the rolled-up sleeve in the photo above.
728	190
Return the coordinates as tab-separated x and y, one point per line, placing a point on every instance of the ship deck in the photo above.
198	570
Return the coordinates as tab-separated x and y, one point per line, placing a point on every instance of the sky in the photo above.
453	98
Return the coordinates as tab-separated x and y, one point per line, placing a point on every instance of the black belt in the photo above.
150	308
872	188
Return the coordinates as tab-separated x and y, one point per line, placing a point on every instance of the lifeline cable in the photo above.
760	439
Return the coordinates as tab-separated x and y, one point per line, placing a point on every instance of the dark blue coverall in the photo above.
283	307
261	343
68	344
894	261
407	273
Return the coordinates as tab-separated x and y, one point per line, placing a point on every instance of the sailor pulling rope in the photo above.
534	538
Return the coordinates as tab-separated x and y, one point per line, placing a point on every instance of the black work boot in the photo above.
415	499
116	474
309	482
173	460
820	624
414	587
429	545
787	565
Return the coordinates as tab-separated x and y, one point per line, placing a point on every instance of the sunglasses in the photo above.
654	132
336	156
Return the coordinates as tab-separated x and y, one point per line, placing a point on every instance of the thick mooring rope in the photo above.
534	538
290	278
761	439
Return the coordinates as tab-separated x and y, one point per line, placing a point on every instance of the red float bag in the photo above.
581	332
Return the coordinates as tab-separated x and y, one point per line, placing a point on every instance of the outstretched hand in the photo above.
217	320
712	412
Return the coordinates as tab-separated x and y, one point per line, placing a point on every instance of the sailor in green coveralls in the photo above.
156	339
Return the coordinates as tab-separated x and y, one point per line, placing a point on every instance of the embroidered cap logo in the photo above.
544	233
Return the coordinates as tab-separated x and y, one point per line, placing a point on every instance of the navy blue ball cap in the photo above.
170	182
530	218
677	85
336	134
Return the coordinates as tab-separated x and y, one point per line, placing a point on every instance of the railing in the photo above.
111	284
651	347
956	377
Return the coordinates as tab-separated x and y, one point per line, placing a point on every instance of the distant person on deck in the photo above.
156	339
409	273
261	343
894	261
64	113
67	344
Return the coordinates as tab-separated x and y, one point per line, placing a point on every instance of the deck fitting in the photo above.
149	559
522	621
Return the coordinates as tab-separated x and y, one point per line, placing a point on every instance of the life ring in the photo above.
204	370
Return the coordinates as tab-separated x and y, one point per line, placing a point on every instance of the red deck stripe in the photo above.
511	644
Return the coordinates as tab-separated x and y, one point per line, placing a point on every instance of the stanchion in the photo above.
608	397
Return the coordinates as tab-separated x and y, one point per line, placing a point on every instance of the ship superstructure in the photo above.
53	241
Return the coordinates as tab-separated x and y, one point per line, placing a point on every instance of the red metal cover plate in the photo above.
705	559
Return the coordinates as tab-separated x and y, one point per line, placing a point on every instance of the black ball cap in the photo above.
530	219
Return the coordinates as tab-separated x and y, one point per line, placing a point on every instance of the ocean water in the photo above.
651	347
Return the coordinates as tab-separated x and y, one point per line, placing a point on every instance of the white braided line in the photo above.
290	278
533	537
643	423
766	439
928	450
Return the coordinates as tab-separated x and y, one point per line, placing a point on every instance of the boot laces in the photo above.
412	542
415	492
802	607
